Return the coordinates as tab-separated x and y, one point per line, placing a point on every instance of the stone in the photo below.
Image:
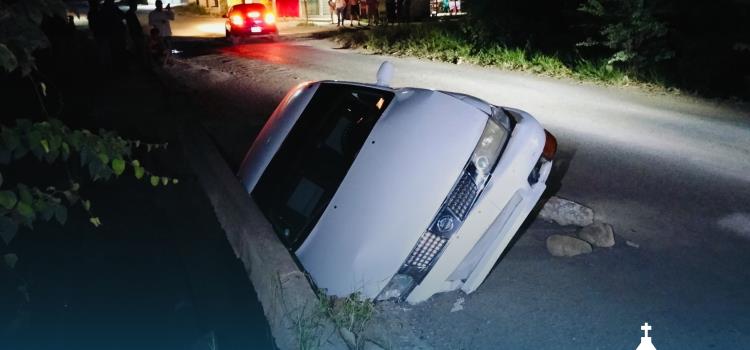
565	212
598	234
560	245
458	305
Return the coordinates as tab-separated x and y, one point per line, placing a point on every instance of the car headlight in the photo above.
452	213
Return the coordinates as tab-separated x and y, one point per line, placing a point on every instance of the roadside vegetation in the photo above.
607	41
446	42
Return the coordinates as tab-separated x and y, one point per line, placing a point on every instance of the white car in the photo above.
396	193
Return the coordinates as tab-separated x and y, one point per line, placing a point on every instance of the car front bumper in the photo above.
495	218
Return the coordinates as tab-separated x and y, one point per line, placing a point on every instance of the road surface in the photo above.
670	173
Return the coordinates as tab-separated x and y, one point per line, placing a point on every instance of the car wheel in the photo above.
234	39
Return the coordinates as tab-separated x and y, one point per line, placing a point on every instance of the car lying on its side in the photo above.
246	20
396	193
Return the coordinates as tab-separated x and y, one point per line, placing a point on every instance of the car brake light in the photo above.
253	14
550	146
270	18
238	20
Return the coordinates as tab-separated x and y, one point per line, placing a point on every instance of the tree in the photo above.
101	154
630	28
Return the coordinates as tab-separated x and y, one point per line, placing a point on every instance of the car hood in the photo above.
402	174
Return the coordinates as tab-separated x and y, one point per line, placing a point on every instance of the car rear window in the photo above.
248	7
313	160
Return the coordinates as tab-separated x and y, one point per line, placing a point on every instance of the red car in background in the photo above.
247	20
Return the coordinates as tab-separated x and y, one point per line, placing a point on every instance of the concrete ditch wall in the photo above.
289	302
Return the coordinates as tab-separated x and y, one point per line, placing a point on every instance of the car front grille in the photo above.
425	251
462	196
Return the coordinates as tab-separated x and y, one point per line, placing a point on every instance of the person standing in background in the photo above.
352	10
331	8
340	8
137	39
159	18
373	15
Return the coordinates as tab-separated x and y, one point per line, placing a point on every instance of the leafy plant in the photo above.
630	28
20	31
103	155
352	313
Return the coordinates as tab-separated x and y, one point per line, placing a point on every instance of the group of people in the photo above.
119	35
396	11
353	9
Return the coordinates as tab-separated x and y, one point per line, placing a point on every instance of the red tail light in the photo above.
550	146
237	20
270	18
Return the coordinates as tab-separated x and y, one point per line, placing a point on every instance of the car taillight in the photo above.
253	14
238	20
270	18
550	146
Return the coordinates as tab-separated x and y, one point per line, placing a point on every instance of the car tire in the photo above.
235	39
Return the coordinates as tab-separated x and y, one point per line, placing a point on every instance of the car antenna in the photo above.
385	73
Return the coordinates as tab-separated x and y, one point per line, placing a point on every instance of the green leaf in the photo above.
75	186
135	163
25	194
175	181
8	60
65	150
104	158
10	138
10	260
164	180
45	145
139	171
95	221
26	211
154	181
45	211
86	204
71	197
118	166
61	214
55	141
8	228
86	154
8	199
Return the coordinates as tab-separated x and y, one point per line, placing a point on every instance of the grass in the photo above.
352	313
449	44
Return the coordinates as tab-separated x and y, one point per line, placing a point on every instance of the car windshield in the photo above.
312	161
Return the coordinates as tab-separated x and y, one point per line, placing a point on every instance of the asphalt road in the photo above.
670	173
